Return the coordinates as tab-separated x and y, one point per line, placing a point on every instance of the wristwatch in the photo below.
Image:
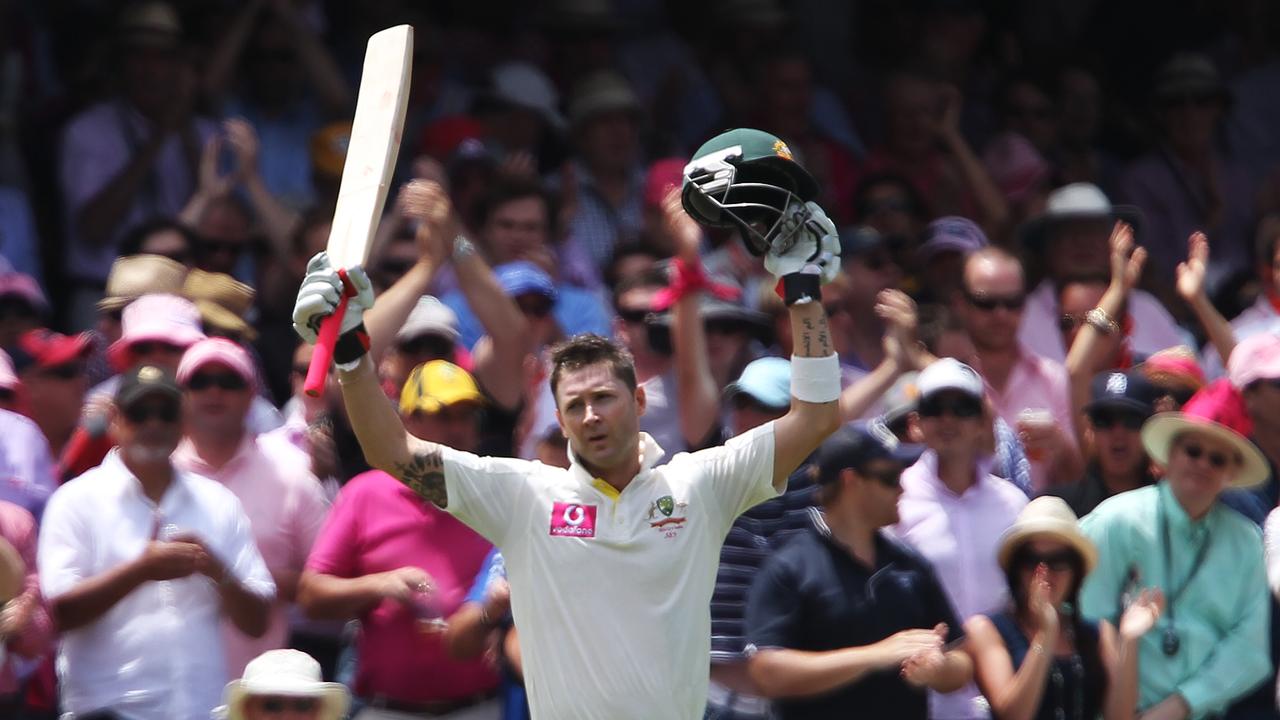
462	247
1101	321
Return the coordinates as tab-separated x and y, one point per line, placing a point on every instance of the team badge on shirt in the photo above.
573	520
666	515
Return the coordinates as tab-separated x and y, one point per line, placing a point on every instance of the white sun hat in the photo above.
290	673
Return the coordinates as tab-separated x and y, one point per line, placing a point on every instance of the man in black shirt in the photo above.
845	620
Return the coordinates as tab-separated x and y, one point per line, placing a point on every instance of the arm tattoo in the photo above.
424	474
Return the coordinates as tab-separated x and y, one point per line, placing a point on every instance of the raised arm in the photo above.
1086	353
695	384
815	369
386	444
1191	289
901	354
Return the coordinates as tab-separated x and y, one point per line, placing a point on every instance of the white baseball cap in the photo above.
949	374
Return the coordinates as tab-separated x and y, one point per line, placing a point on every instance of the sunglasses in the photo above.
432	347
150	347
959	407
295	704
225	381
724	327
220	247
1105	420
988	303
167	413
890	478
1060	561
1217	460
1067	323
66	371
538	307
632	316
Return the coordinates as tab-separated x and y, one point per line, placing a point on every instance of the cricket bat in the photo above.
366	174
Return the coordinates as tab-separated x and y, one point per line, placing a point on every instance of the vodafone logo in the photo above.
573	520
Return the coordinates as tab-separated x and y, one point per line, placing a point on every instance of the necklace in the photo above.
1076	666
1171	642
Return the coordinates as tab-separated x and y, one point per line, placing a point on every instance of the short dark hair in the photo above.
509	189
587	349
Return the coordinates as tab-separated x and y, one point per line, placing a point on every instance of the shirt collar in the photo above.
131	485
929	461
187	454
650	453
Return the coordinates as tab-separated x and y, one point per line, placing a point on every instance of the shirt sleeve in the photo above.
774	607
1241	658
481	584
62	551
485	492
739	474
1100	594
239	553
336	545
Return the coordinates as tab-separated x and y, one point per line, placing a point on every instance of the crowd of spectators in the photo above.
1059	242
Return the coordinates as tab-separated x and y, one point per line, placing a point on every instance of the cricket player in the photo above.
612	562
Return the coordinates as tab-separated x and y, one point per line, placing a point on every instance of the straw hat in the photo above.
13	572
286	672
222	300
1047	518
133	276
1217	410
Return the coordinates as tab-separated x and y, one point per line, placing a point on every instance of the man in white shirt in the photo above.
140	562
611	562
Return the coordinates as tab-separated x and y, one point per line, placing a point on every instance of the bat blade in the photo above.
366	174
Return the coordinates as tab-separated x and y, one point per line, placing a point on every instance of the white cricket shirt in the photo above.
611	591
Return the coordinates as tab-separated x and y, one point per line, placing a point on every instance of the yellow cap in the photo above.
435	385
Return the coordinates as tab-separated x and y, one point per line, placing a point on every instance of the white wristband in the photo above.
815	380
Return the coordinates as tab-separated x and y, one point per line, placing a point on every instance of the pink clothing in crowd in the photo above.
1035	383
19	528
377	525
959	535
286	508
1153	327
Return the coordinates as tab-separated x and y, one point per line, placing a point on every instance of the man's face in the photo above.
1079	248
746	413
56	395
151	79
224	232
1201	466
1117	441
630	329
881	487
993	302
951	423
600	416
148	429
456	425
517	229
1262	400
912	107
218	399
610	141
887	208
1075	301
156	352
870	272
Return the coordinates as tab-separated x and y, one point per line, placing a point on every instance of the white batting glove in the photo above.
816	250
320	293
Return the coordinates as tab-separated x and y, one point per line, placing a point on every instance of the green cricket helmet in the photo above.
745	178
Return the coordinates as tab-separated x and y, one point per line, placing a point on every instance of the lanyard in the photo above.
1171	595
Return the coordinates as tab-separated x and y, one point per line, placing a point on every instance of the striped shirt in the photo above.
755	535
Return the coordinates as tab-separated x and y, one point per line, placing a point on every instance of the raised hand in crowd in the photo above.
902	353
1102	331
993	209
1191	288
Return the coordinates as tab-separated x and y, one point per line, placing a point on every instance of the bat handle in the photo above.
322	354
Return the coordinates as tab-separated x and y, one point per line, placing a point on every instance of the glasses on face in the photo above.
150	347
164	412
277	705
1217	460
225	381
989	303
632	316
1106	420
1057	561
537	306
1067	323
890	477
66	371
431	347
955	407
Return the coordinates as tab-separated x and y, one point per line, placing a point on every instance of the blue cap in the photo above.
766	380
522	277
855	445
